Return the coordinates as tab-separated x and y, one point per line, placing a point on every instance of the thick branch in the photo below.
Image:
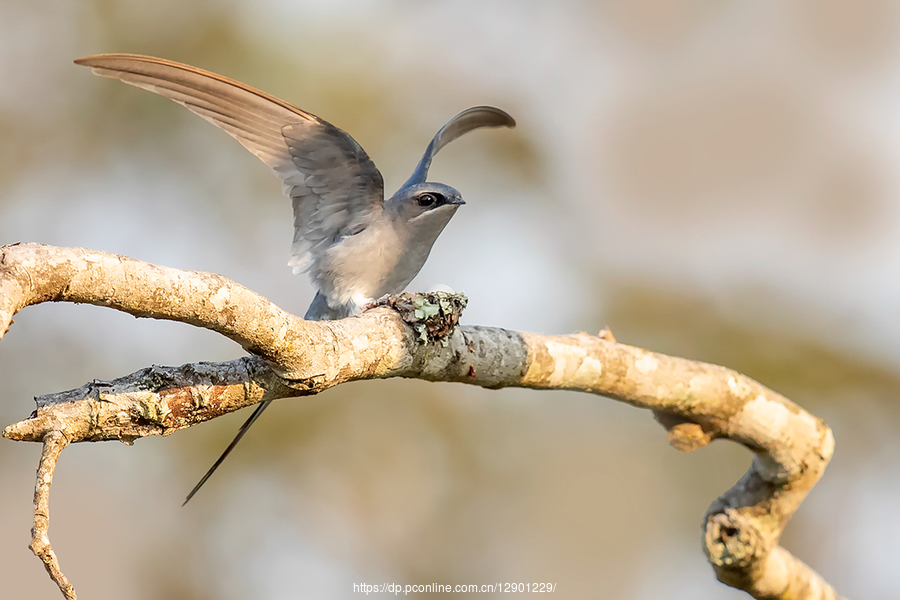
696	402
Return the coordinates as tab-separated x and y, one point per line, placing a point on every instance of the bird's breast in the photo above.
370	264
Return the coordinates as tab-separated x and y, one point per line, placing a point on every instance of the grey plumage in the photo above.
355	246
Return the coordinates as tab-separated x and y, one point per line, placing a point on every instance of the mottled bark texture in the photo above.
694	401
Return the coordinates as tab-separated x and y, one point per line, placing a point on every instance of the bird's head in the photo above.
425	206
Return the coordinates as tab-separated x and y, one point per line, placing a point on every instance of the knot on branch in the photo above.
733	540
684	435
434	315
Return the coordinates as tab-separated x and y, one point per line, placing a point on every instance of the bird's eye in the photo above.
427	199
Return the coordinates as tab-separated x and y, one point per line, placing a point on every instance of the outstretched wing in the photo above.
464	122
334	186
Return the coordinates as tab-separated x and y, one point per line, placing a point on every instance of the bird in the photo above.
355	245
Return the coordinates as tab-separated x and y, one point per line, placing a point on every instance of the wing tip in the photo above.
89	61
504	119
95	59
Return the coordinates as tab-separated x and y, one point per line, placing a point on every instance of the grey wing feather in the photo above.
334	186
464	122
333	190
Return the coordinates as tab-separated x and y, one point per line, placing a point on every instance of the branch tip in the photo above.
54	443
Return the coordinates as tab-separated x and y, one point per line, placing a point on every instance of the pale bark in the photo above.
696	402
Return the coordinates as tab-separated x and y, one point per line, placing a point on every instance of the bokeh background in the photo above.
713	179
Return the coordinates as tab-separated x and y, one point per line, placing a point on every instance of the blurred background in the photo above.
714	180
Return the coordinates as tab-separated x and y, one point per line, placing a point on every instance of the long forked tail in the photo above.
319	310
256	412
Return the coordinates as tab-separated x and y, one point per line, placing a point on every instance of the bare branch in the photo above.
54	442
696	402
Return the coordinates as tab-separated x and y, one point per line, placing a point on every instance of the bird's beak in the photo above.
457	200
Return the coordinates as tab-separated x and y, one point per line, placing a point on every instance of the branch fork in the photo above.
289	357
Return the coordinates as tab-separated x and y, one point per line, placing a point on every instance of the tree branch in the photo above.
54	443
696	402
